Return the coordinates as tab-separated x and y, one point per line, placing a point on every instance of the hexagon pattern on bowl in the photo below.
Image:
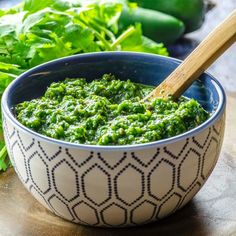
118	188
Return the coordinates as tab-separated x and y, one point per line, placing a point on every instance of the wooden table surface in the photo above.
211	212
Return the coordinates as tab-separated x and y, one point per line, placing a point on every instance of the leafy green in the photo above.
35	32
137	42
4	161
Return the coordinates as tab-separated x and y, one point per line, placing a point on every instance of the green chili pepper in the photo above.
191	12
156	25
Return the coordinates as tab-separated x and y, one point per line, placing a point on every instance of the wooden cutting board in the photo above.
211	212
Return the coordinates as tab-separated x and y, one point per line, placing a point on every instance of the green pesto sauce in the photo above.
107	111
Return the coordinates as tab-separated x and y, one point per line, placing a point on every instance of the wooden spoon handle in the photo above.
199	60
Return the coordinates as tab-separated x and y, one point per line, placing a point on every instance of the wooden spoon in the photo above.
218	41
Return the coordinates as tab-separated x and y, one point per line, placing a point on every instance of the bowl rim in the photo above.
209	122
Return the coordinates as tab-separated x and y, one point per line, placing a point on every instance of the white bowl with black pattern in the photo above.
113	186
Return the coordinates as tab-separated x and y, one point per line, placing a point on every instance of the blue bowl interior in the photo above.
140	68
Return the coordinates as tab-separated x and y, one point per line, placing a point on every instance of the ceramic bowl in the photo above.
113	185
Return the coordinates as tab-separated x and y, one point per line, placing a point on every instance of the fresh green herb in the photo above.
38	31
4	160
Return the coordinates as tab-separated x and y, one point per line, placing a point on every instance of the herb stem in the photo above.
122	37
106	44
3	152
3	155
106	31
98	35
